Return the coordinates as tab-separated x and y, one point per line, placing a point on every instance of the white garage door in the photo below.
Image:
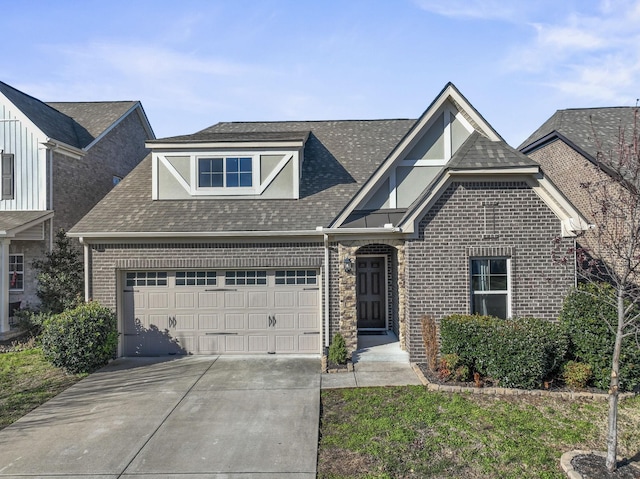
221	312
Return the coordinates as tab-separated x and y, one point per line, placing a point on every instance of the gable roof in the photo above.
77	124
339	157
479	151
583	129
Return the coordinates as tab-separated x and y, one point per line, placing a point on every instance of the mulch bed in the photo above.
592	466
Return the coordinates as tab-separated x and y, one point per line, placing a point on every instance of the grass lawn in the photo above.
408	432
26	381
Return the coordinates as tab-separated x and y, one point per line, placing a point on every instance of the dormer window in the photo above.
229	172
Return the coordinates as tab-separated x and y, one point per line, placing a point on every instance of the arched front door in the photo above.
371	274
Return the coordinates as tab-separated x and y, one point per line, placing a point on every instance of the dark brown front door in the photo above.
371	294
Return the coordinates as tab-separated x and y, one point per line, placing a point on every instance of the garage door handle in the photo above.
310	289
311	332
221	334
221	289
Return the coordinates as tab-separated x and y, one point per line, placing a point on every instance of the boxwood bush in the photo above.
82	339
584	316
519	353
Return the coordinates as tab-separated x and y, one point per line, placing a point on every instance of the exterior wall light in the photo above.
348	265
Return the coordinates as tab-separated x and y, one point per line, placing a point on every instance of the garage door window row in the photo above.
196	278
299	276
242	278
147	278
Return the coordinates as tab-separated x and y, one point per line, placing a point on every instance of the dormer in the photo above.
209	165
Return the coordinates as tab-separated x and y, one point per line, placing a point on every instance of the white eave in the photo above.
194	145
64	148
151	235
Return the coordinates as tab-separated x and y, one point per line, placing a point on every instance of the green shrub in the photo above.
82	339
338	350
584	316
31	321
577	375
517	353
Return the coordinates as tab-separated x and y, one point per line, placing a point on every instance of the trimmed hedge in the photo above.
82	339
519	353
584	317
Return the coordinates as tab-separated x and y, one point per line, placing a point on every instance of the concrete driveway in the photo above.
215	417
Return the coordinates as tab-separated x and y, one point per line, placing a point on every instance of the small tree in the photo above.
610	252
60	281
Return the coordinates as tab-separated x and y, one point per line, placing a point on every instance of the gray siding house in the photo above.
58	161
271	237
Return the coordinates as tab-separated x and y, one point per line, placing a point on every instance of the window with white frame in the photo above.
16	272
227	172
490	287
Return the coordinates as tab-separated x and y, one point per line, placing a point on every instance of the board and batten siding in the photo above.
20	137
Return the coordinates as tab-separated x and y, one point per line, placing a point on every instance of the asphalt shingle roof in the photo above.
339	157
479	151
10	220
590	129
73	123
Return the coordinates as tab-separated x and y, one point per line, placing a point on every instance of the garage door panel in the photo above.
234	300
209	344
309	343
158	300
208	321
285	321
208	299
308	299
234	321
257	299
185	321
258	343
258	321
160	321
285	343
186	343
234	344
284	299
308	321
185	300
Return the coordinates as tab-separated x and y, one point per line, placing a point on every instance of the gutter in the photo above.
319	231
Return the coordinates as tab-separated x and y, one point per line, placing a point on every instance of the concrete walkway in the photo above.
379	361
195	417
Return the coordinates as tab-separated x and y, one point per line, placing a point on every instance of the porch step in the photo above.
380	348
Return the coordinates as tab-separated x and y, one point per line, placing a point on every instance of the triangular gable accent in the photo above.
572	221
449	94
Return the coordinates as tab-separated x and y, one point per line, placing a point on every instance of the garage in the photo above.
221	312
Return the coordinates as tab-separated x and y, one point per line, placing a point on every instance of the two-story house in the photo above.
271	237
58	160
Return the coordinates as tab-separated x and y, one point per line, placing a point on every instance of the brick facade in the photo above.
426	275
477	219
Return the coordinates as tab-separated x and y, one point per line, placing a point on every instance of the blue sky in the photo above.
194	63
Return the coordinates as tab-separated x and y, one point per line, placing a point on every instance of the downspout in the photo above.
49	167
87	253
4	286
326	289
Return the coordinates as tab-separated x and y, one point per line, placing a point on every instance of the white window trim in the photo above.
509	286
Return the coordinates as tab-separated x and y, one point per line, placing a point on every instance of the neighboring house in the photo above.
567	146
58	161
272	237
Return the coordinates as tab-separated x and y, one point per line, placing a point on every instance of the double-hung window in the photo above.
16	272
490	287
227	172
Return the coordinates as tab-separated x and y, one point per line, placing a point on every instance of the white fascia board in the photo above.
189	236
230	145
525	170
63	148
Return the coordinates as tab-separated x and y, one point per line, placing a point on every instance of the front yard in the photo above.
26	381
408	432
